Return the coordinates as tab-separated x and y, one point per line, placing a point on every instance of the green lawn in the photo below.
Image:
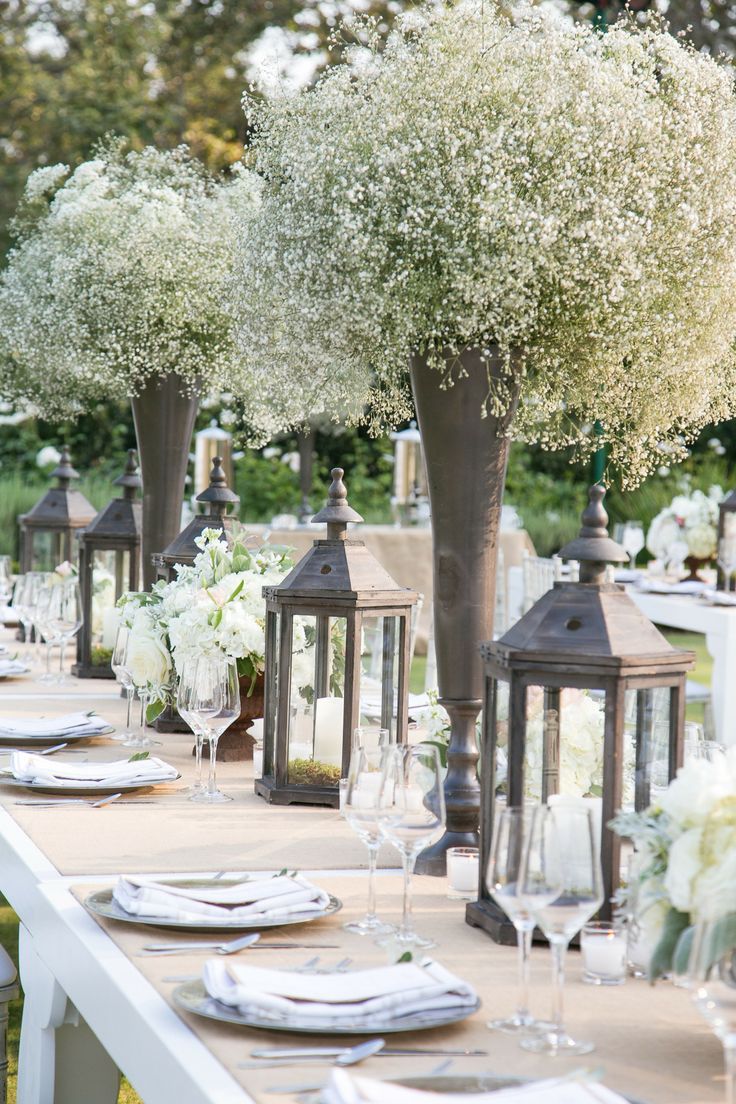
9	923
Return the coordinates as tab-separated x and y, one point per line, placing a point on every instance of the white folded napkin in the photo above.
256	898
719	597
366	996
660	587
66	725
37	768
9	667
346	1088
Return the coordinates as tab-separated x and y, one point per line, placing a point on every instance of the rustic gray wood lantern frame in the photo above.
115	534
586	635
54	521
337	582
219	499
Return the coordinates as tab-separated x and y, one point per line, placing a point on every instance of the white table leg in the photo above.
723	685
60	1060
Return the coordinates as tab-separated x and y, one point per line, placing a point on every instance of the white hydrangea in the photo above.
691	518
501	178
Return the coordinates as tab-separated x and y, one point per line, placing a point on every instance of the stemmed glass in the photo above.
211	697
25	598
183	696
412	815
42	626
633	540
64	617
711	978
6	580
361	810
727	559
510	839
124	676
562	886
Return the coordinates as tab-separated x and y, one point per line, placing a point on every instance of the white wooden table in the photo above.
718	626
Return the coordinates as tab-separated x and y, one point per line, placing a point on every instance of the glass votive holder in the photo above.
603	947
342	789
462	873
258	761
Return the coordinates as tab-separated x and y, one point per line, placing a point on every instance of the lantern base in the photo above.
170	721
488	916
234	746
82	670
295	795
433	860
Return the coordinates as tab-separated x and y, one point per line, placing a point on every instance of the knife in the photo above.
333	1052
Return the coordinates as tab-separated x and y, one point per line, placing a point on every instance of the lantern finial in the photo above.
130	480
64	471
593	547
337	513
218	494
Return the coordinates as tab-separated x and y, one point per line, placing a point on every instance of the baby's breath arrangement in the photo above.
117	276
507	179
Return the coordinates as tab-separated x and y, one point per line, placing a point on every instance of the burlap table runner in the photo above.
651	1043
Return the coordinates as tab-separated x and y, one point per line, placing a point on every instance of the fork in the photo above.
43	751
72	801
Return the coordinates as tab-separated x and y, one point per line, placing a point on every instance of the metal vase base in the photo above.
462	789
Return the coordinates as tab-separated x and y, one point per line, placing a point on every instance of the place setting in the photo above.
45	775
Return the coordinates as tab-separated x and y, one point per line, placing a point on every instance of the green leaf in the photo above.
722	939
139	755
215	619
237	590
407	956
681	957
282	873
674	925
154	710
241	562
441	747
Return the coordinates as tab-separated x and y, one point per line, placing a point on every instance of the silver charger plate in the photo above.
51	738
102	903
193	997
76	789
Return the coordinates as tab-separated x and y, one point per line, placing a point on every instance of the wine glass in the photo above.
633	540
509	841
676	555
42	626
6	580
361	808
64	617
213	700
711	978
25	598
183	696
562	886
412	815
123	675
371	738
727	559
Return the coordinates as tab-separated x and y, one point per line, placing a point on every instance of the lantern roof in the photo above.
121	519
589	624
341	568
61	507
219	498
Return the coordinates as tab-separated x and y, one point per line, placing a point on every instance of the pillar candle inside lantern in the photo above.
328	727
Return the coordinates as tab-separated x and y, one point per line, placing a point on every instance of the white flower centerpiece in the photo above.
685	869
214	606
689	523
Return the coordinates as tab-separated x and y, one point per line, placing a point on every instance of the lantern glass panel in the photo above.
379	672
316	700
647	743
46	549
110	575
729	523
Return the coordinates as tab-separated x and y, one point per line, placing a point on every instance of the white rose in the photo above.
701	541
715	888
682	868
663	531
691	796
148	659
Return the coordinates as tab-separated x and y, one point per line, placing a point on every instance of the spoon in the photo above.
230	946
349	1057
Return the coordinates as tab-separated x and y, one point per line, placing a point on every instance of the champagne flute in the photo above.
64	617
711	978
510	839
412	815
361	808
123	675
562	886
